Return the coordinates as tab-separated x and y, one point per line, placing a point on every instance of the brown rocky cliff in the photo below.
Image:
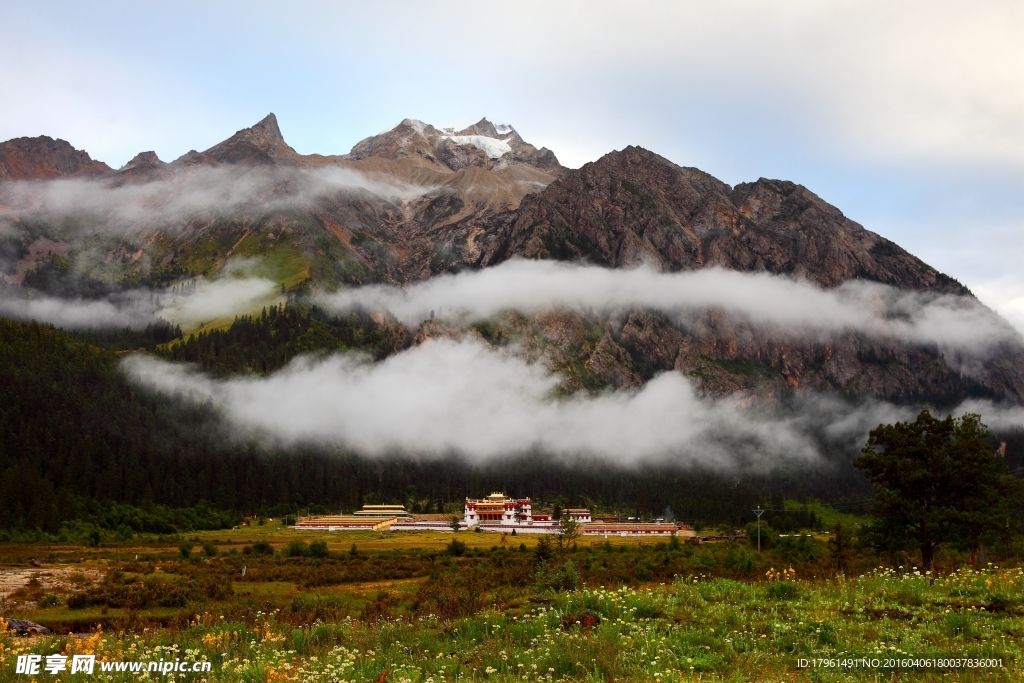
44	158
634	207
260	144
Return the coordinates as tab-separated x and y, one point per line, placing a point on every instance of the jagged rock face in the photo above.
725	356
143	159
634	207
44	158
260	144
142	168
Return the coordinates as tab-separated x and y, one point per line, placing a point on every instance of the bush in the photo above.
163	590
49	601
456	547
738	559
209	549
297	548
704	559
557	577
259	548
768	535
782	590
185	549
318	549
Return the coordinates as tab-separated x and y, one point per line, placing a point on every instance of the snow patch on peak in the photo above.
415	124
492	147
503	128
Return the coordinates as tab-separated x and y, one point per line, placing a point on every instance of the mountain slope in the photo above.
417	201
634	207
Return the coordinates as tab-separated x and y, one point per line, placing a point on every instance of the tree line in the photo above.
76	434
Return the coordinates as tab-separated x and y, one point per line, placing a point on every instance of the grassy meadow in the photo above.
269	604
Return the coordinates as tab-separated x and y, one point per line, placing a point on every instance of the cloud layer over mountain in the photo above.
188	307
463	398
444	397
189	193
793	307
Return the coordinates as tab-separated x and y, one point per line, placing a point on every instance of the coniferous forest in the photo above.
80	442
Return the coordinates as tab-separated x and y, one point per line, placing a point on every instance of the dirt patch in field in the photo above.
50	580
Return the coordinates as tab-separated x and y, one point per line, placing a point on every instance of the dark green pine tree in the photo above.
937	482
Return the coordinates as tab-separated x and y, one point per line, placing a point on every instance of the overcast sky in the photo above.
907	116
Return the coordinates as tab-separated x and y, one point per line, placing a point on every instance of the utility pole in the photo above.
758	512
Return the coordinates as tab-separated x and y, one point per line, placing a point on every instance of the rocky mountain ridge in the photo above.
442	200
43	158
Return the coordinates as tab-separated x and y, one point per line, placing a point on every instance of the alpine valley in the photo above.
405	206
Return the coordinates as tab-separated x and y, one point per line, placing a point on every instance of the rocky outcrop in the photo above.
44	158
260	144
634	207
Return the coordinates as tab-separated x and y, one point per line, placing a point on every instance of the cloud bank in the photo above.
444	397
184	193
793	307
189	306
134	309
210	300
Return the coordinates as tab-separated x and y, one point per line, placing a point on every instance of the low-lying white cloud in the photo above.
196	192
133	309
445	397
792	306
211	300
187	305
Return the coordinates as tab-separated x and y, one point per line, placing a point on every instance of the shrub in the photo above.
318	549
456	547
704	560
209	549
556	577
297	548
164	590
782	590
260	548
49	601
185	549
738	559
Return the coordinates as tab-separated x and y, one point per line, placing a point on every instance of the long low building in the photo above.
426	525
345	523
634	529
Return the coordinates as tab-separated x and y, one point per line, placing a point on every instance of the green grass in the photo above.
695	628
405	604
280	261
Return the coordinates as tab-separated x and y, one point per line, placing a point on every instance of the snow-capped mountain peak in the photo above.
457	146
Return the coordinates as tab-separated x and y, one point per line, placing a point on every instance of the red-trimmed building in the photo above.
498	509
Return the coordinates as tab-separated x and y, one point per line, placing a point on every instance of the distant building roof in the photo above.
382	511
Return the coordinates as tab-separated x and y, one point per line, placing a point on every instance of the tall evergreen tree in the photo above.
936	482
